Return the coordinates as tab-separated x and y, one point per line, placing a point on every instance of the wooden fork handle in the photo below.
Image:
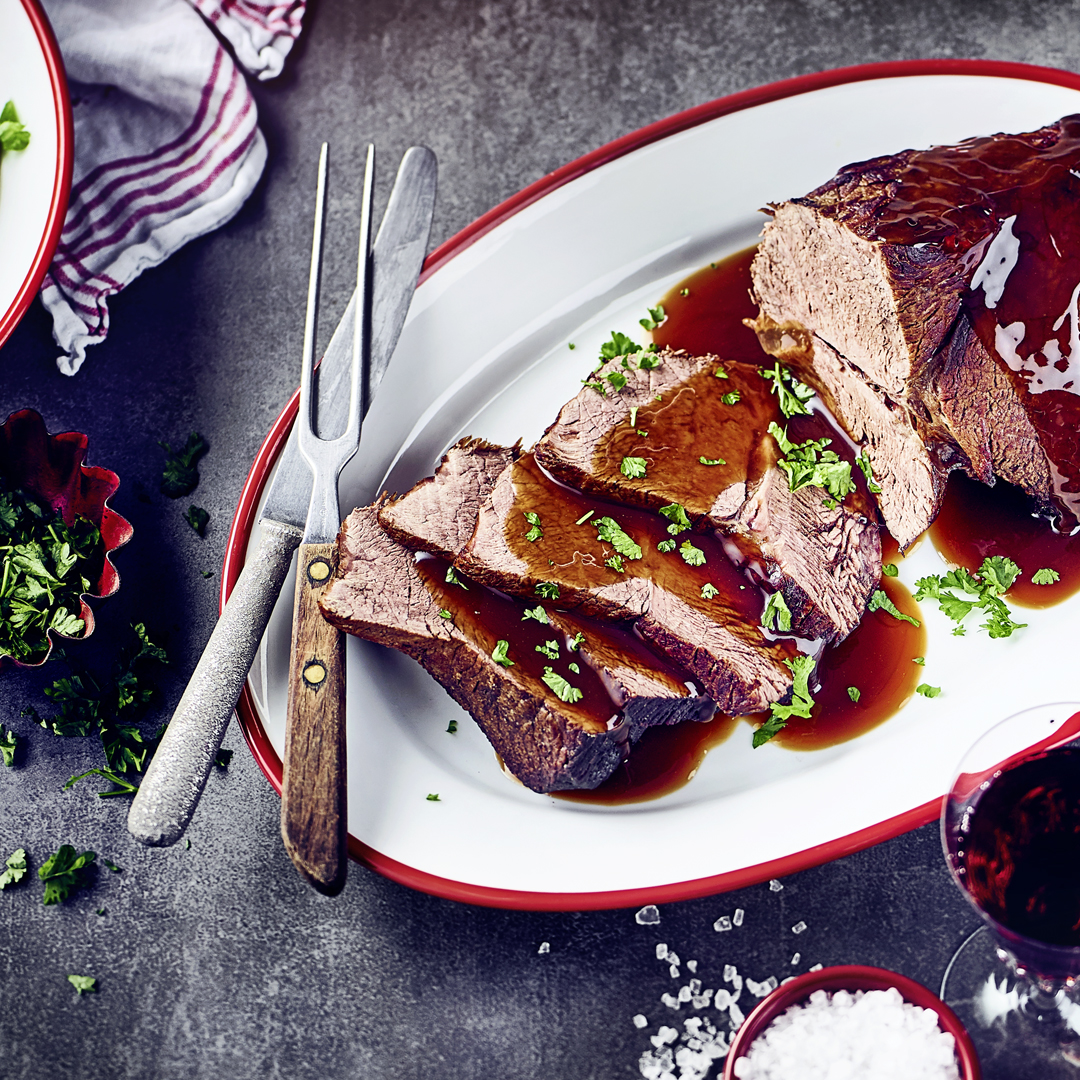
314	824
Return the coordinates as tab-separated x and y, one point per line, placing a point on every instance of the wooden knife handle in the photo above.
314	824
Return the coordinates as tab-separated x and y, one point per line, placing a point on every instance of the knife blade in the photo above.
177	774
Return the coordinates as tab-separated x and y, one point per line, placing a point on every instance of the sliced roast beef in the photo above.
555	727
927	277
695	431
621	563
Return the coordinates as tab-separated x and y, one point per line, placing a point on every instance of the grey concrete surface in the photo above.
216	960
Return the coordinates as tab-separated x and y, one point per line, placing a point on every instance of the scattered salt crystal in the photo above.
730	971
737	918
684	993
649	915
795	959
869	1034
669	1001
673	958
701	1001
661	951
673	971
790	978
737	983
816	967
640	1021
664	1036
723	999
775	886
692	965
545	946
736	1015
693	1025
799	927
723	923
759	990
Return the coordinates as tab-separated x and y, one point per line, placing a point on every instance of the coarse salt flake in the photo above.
730	971
661	951
872	1035
545	947
640	1021
795	959
649	915
799	927
692	965
737	918
775	886
721	924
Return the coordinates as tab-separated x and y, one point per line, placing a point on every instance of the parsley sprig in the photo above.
65	871
809	464
959	592
793	394
181	474
609	531
802	701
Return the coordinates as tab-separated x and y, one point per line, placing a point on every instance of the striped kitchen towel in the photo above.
167	145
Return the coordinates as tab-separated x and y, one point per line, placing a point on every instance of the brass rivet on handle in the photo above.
318	570
314	673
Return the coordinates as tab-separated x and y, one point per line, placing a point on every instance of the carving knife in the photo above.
178	771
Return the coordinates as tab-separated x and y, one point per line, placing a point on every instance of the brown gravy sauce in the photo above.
876	658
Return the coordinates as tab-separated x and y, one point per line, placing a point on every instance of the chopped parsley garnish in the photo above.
576	642
453	579
563	690
47	566
13	135
617	380
619	345
123	786
711	461
181	474
890	569
656	318
709	590
593	385
538	613
720	372
550	649
880	602
647	362
499	653
809	464
111	866
675	513
854	693
63	872
584	517
197	518
222	759
1045	577
452	727
433	797
920	660
9	743
571	346
110	708
863	461
792	393
665	546
633	416
547	590
927	690
959	592
777	615
14	868
445	613
633	467
535	532
207	573
84	984
574	668
684	292
731	398
691	555
616	564
609	531
801	701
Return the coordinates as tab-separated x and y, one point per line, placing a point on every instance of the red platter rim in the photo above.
244	520
65	160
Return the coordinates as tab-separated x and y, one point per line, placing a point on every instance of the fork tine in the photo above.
358	402
304	414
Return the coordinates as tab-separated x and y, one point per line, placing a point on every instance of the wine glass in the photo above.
1010	829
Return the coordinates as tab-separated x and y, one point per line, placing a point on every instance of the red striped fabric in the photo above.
167	145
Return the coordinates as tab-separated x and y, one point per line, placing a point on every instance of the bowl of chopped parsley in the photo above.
56	537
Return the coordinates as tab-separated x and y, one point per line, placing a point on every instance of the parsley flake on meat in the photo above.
676	514
536	531
959	592
890	569
576	642
453	579
880	602
550	649
709	590
499	653
616	564
1045	577
563	690
9	743
445	613
863	461
619	345
584	517
666	546
657	317
801	701
720	372
691	555
731	398
63	872
538	613
854	693
547	590
647	362
617	380
711	461
793	394
633	467
610	532
777	615
809	464
574	668
14	868
927	690
181	474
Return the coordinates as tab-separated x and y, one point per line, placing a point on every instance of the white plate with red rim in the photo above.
485	352
35	182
